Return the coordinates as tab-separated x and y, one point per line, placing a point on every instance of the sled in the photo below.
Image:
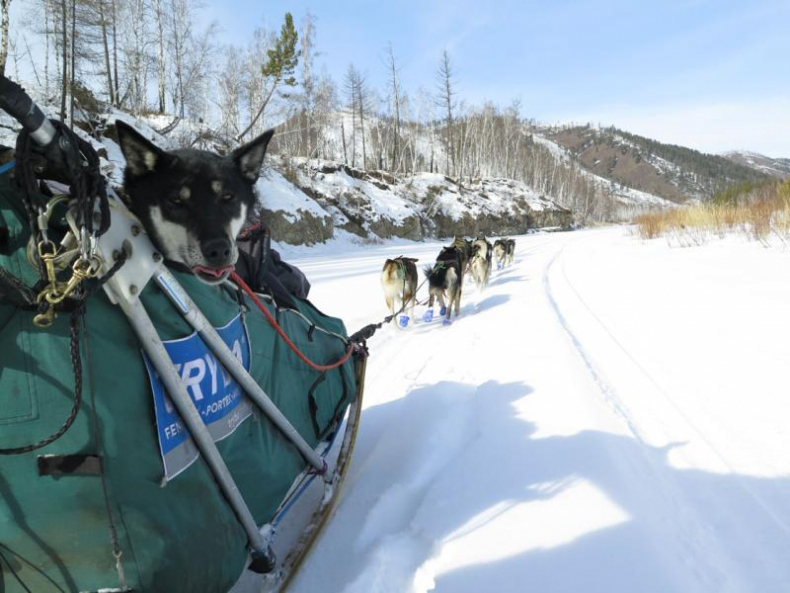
134	496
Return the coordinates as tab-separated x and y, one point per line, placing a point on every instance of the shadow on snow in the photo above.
450	453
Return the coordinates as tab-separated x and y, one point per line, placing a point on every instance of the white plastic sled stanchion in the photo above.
123	288
263	558
192	314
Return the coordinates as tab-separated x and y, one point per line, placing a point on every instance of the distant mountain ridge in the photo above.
672	172
775	167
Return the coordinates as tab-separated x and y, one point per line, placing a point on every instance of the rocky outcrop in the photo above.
409	228
305	229
378	204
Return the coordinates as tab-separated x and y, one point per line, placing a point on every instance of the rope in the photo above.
369	330
354	341
273	322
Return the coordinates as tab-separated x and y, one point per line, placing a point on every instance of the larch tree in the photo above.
350	88
359	98
446	93
107	29
394	80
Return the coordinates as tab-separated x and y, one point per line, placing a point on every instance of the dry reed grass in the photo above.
760	218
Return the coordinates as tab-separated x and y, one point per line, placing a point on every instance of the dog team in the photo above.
445	278
193	204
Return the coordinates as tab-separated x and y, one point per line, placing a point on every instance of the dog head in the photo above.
192	202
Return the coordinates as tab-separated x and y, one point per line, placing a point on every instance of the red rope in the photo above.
319	367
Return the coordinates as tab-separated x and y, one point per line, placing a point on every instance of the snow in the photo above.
278	194
610	415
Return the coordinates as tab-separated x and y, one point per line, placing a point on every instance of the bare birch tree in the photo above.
231	87
5	12
161	66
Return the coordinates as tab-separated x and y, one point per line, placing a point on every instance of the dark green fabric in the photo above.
181	536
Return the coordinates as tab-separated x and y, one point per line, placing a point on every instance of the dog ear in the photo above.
249	158
142	155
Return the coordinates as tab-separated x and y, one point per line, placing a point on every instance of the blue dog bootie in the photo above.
442	311
446	322
499	266
427	317
403	320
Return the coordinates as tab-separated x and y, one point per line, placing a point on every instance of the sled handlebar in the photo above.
64	161
18	104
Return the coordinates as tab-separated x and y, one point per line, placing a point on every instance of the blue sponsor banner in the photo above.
216	395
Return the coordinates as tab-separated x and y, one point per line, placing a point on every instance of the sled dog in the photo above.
481	262
192	202
464	247
445	277
500	252
510	245
399	281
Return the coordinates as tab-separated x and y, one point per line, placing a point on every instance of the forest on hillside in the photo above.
84	62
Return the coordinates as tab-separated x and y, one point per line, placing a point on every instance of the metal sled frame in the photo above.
144	264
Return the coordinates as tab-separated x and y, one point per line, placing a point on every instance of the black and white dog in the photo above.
503	252
192	202
465	251
500	252
510	245
446	276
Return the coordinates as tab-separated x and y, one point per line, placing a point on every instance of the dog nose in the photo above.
217	251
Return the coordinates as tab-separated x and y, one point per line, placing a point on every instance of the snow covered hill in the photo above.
610	415
341	141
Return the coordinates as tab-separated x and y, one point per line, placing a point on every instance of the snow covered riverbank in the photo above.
610	415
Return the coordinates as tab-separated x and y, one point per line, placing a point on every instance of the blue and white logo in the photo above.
216	395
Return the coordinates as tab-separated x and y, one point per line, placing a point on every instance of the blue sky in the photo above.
710	74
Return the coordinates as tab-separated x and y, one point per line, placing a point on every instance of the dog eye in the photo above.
175	200
226	197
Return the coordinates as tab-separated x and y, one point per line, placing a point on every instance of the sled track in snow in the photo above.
606	390
610	394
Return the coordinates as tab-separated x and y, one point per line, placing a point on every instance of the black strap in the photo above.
15	292
313	404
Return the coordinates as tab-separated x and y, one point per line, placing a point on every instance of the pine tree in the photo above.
279	68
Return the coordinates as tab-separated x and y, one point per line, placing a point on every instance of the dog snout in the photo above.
217	252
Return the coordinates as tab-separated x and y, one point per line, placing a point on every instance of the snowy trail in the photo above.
584	425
